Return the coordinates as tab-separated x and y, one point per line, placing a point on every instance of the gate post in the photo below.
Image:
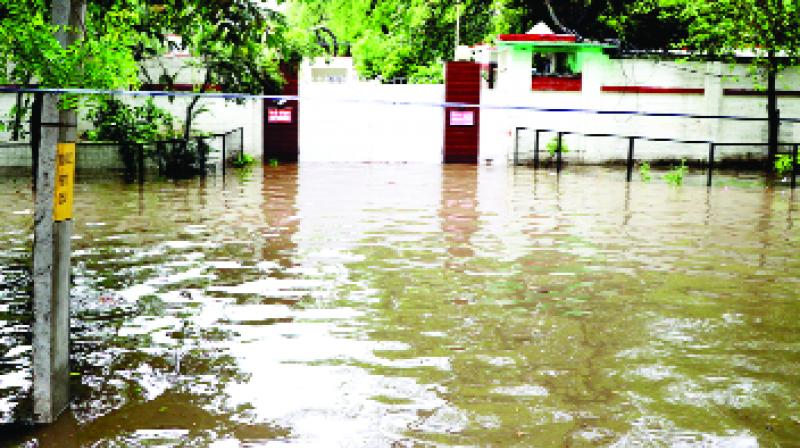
462	123
281	122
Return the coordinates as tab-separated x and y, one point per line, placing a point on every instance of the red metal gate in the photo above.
462	124
281	123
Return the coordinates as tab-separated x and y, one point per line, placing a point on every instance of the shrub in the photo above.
676	174
552	146
644	172
783	163
243	160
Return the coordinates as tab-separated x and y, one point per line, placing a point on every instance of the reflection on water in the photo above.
342	305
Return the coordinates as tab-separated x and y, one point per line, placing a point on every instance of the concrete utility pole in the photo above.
52	233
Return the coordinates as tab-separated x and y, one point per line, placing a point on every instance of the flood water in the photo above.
415	305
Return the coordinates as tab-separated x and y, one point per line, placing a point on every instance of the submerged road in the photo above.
405	305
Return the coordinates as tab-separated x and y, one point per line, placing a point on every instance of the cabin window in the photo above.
542	64
554	71
562	64
552	64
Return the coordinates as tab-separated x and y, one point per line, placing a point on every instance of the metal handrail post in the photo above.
202	148
794	165
629	170
241	142
224	138
558	152
711	147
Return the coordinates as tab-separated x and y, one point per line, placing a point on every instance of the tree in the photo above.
26	40
130	126
718	29
30	53
410	39
395	38
238	45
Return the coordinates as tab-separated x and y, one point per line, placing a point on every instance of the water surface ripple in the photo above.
417	305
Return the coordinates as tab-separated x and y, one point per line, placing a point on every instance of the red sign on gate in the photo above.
279	116
462	118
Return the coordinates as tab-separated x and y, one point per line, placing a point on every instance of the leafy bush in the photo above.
130	126
180	159
117	121
427	74
136	128
644	172
783	163
243	160
552	146
676	174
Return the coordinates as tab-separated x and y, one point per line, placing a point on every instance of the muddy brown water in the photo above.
415	305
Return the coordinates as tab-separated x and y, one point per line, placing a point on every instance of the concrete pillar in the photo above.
281	128
51	252
517	75
50	372
713	99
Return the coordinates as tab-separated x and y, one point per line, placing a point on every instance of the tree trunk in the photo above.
773	114
188	123
190	108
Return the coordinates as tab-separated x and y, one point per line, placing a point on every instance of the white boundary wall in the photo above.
222	116
357	122
513	88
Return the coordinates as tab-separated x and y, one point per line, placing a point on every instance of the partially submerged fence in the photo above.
178	157
200	155
232	144
557	151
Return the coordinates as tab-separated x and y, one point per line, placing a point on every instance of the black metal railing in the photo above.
181	158
631	139
232	143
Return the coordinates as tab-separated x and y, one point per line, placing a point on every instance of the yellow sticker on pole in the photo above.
65	181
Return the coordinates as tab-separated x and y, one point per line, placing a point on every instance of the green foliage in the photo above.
646	24
18	115
243	160
675	175
131	126
783	163
644	172
406	38
768	30
239	45
432	74
102	59
552	146
118	121
395	38
718	28
181	159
